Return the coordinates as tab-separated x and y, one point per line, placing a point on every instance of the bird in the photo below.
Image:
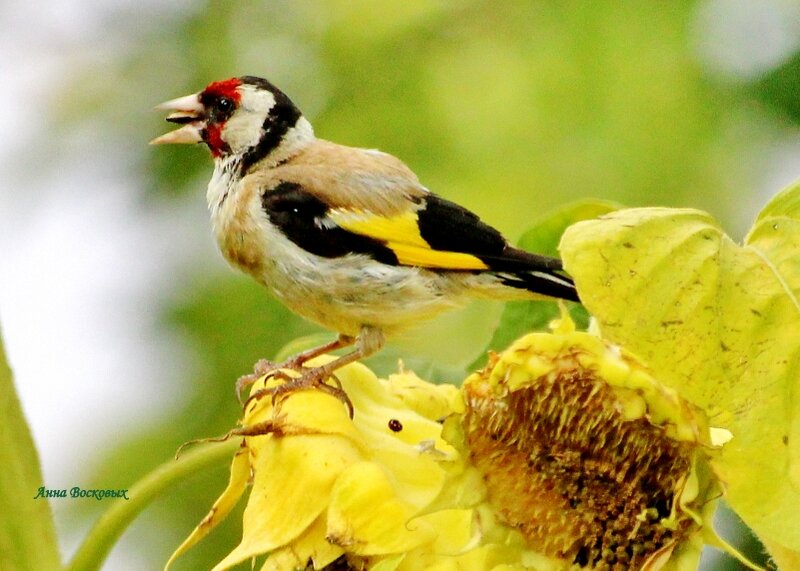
345	237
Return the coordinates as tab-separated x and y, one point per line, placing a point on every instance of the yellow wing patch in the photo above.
402	228
401	234
427	258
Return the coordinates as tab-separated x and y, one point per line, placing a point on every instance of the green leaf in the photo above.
544	236
720	323
520	317
27	534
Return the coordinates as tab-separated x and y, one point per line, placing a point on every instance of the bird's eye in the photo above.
224	105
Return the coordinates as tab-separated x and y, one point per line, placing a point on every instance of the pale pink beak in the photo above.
189	112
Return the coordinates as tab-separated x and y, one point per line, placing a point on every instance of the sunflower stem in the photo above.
106	531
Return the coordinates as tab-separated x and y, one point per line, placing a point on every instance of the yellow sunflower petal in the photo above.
311	546
366	518
293	478
408	445
240	473
434	402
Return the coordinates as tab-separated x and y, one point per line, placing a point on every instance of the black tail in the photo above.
550	284
533	272
446	226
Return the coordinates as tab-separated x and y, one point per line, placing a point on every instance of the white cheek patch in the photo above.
245	127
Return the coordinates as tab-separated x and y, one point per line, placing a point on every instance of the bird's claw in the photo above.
269	369
261	368
312	379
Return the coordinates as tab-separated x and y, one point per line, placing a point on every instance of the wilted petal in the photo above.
240	473
311	547
292	482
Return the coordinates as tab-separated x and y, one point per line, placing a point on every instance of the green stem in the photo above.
105	533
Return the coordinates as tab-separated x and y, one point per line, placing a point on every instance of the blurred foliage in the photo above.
779	89
509	108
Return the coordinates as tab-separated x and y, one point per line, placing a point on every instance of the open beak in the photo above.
186	111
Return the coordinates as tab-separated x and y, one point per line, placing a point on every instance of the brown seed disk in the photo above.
577	480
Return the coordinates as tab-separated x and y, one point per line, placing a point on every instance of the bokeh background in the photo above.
124	326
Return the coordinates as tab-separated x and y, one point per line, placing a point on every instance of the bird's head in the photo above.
245	117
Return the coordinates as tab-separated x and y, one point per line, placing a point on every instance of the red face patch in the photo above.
220	99
213	138
226	88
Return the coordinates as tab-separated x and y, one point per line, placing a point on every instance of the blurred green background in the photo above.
510	108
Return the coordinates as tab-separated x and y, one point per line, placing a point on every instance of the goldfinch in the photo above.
345	237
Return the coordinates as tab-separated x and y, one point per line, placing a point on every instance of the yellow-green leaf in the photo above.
27	535
717	321
776	234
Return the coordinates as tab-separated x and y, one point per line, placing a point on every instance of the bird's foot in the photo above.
270	369
295	363
311	379
369	341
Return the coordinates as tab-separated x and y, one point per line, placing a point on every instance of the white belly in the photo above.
344	294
